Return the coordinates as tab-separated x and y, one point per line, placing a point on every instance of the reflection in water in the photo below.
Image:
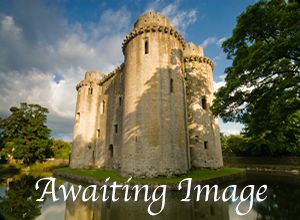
174	209
19	202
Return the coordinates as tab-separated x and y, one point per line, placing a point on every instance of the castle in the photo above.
150	116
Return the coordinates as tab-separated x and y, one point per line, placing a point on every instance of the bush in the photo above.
61	149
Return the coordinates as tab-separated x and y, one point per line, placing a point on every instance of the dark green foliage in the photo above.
61	149
20	200
25	135
262	88
240	145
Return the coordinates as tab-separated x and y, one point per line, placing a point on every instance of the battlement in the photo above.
192	52
111	74
91	77
151	18
192	49
113	126
152	22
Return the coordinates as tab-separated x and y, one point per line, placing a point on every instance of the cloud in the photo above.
179	18
230	127
213	41
220	41
221	82
208	41
43	56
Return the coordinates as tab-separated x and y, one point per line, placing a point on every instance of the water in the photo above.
19	202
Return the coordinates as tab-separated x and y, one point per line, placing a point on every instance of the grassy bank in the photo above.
197	175
36	168
274	163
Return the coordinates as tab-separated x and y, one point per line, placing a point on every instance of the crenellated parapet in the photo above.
152	22
193	53
111	74
91	78
199	59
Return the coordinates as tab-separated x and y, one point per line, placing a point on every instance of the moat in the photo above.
282	202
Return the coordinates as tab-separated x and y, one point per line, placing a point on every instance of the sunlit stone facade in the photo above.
150	116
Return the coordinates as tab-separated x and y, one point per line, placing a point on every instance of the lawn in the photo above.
197	175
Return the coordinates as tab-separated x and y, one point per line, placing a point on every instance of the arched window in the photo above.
98	133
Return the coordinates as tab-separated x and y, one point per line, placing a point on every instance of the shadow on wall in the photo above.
155	135
157	120
195	96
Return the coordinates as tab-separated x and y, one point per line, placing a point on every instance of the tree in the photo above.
262	88
24	133
61	149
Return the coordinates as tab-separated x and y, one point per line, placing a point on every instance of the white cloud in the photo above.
41	43
208	41
27	68
230	127
213	41
221	82
179	18
220	41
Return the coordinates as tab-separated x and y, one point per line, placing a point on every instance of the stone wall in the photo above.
154	138
204	134
146	117
84	145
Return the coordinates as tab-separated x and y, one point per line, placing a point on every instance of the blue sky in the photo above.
46	46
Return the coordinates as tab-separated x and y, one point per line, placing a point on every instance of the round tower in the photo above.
85	124
204	136
154	128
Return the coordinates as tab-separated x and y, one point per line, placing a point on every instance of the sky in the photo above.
47	46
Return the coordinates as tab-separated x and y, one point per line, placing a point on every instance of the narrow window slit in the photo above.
111	150
205	144
171	85
146	47
204	103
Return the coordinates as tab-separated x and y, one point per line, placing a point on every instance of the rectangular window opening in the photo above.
98	133
120	101
116	128
111	150
91	91
205	144
103	107
77	116
146	47
204	103
171	85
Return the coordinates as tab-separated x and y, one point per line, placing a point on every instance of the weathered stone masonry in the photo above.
150	116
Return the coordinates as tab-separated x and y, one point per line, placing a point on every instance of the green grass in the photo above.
270	166
47	166
38	169
197	175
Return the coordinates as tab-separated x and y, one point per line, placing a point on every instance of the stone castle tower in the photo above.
150	116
